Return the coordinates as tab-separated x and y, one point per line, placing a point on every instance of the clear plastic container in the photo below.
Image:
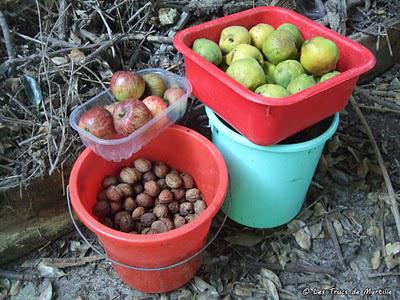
122	148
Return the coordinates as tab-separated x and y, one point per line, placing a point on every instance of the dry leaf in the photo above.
363	168
58	60
376	259
271	276
76	56
315	230
242	291
281	252
393	248
391	261
246	239
319	209
202	286
338	227
373	231
15	288
302	235
270	287
50	272
47	291
334	144
321	235
75	39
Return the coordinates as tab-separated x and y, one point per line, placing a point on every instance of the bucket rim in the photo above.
214	121
206	216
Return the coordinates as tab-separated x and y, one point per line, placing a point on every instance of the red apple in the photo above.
130	115
155	104
173	94
98	121
111	107
125	84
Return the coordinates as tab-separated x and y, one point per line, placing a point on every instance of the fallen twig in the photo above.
380	109
70	262
61	24
7	39
389	186
388	104
335	241
294	267
19	275
375	275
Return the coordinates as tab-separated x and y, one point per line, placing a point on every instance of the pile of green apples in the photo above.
271	62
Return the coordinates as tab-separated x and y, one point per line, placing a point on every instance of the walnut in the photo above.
107	222
179	194
159	226
167	221
144	200
126	223
115	207
142	165
162	184
109	181
173	207
114	193
126	189
160	169
189	218
188	181
165	197
192	195
101	209
148	230
118	216
102	196
138	188
174	181
199	206
147	219
130	175
186	208
129	204
179	221
149	176
161	210
138	212
151	188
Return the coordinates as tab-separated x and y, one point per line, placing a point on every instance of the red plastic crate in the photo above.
263	120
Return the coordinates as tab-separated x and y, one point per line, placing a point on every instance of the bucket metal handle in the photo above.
104	256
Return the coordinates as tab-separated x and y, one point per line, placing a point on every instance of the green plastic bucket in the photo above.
269	183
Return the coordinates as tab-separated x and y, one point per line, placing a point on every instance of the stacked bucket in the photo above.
269	180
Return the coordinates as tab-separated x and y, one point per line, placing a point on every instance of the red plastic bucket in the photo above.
262	120
185	150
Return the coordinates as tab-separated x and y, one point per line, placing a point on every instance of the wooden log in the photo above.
33	216
385	59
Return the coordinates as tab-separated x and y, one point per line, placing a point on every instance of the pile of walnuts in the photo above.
148	198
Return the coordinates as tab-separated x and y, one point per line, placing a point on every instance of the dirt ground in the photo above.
346	203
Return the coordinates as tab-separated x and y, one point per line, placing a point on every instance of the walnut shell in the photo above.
189	218
179	221
147	219
149	176
174	171
188	181
129	204
151	188
118	216
114	193
101	209
162	184
173	207
192	195
161	210
160	169
115	207
186	208
174	181
144	200
159	226
199	206
130	175
168	222
126	223
138	213
142	165
102	196
179	194
138	188
107	222
126	189
109	181
165	197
